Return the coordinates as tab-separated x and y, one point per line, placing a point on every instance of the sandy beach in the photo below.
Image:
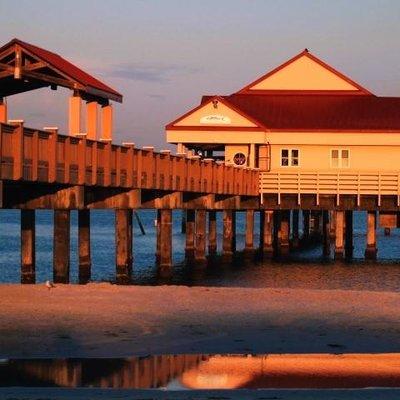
104	320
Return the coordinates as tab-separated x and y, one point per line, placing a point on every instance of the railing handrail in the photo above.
47	156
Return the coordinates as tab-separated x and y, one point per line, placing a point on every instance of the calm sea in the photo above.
306	269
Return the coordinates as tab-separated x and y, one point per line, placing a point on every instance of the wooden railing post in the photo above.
82	160
129	163
107	161
35	155
94	163
18	149
67	159
53	138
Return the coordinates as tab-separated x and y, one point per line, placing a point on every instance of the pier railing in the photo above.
331	183
46	156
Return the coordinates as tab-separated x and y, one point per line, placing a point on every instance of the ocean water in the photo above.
306	269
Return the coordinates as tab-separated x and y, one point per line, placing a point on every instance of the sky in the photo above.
163	55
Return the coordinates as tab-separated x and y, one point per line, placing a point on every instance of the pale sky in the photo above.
162	55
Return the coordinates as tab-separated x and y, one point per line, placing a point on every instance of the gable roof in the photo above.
62	66
223	100
358	89
321	113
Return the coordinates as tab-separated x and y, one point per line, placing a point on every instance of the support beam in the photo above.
371	249
285	232
91	120
166	239
107	122
268	233
212	233
85	261
3	111
326	237
249	244
28	246
200	247
61	246
349	234
295	226
339	234
228	233
74	121
123	246
190	234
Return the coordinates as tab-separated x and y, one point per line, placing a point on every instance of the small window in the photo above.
289	157
340	158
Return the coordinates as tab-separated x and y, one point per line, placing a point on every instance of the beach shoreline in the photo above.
105	320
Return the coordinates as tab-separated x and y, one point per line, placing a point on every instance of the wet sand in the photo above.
104	320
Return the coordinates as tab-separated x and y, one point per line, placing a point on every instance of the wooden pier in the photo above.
85	170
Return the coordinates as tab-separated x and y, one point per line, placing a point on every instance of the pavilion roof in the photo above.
51	69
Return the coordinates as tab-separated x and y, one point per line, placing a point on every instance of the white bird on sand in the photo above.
49	285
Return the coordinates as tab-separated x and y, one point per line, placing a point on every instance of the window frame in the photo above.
290	157
340	151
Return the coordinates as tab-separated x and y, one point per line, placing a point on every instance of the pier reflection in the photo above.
208	372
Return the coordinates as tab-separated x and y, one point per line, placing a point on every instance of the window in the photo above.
340	158
289	157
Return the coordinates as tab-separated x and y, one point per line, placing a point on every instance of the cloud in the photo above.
147	73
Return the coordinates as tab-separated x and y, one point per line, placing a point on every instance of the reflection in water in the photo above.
208	371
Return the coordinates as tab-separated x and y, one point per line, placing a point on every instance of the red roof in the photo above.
66	68
314	112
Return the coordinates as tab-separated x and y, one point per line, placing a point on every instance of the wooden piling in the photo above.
190	234
166	239
349	234
295	227
123	242
284	232
277	234
85	261
315	223
183	221
249	244
200	246
28	263
371	249
326	237
227	243
339	234
212	233
61	246
268	234
158	236
306	225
